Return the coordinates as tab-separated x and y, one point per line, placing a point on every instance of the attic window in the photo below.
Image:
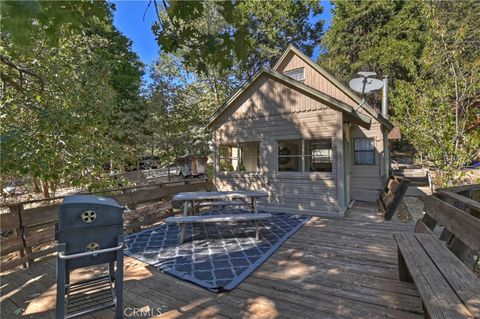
296	74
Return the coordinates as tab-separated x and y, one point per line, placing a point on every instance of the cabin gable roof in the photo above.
291	49
357	117
347	106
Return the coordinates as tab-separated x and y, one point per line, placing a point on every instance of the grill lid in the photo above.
90	199
87	211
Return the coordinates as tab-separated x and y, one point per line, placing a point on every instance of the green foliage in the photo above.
439	110
431	52
382	36
238	35
179	105
68	130
208	49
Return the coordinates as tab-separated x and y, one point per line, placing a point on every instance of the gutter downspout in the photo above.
386	151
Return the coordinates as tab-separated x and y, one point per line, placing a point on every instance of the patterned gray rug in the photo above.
217	257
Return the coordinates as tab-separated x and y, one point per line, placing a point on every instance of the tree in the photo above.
62	131
381	36
179	104
430	50
209	49
439	110
240	35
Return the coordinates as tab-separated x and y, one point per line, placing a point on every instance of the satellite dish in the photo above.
366	84
367	74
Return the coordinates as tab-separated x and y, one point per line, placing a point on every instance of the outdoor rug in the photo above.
216	256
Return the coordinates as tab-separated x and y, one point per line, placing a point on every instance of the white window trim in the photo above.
237	171
303	156
289	73
375	160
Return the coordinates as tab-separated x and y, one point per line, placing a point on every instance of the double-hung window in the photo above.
240	157
318	156
305	155
229	158
249	157
364	151
290	156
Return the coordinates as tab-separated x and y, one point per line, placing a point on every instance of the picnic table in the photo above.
192	201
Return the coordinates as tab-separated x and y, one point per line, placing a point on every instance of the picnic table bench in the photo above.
447	287
194	200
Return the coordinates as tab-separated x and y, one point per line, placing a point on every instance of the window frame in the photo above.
241	158
355	151
228	157
302	168
306	156
303	156
238	158
295	70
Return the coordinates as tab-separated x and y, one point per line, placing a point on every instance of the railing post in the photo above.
19	231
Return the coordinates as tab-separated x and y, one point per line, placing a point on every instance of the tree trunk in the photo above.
53	189
46	192
36	185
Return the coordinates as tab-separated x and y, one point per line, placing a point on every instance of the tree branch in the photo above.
22	71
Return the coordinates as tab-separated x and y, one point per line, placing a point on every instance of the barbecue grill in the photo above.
89	232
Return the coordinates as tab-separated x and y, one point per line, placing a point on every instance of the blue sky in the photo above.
130	20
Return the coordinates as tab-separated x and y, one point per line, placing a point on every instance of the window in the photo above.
228	158
243	157
364	151
305	155
296	74
290	156
249	157
318	155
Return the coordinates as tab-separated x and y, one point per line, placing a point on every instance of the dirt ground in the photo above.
411	208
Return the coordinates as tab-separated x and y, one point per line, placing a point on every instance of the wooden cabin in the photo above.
298	133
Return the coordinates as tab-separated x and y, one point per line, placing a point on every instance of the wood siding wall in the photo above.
314	79
269	111
366	180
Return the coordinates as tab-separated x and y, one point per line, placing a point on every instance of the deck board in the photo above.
331	268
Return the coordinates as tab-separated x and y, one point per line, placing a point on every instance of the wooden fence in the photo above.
29	232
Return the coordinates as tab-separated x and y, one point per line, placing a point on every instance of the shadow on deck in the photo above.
330	268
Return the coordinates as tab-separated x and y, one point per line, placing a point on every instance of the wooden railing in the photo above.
29	232
465	198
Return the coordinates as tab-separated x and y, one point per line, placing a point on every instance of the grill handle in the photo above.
90	253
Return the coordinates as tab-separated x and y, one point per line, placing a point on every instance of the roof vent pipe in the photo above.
385	97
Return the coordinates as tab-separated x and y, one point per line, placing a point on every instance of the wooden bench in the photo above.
223	218
222	203
448	288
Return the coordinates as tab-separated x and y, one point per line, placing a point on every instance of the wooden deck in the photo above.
331	268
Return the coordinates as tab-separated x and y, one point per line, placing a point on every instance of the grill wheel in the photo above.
92	246
89	216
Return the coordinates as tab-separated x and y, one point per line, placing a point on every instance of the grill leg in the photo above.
67	280
119	282
111	270
61	281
